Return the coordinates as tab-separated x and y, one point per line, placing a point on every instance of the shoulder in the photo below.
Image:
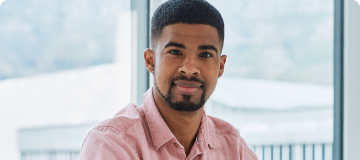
118	125
219	126
124	119
227	134
109	137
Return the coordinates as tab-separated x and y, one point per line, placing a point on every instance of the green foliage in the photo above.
39	36
286	40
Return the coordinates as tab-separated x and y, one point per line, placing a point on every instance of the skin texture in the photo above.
168	62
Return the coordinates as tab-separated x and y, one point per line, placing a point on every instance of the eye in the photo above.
205	54
175	52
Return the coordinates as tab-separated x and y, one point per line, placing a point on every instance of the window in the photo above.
63	66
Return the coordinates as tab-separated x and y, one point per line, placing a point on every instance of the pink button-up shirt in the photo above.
140	133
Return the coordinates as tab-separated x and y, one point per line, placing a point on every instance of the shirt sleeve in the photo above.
106	143
245	152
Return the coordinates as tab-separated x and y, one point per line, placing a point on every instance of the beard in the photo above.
184	105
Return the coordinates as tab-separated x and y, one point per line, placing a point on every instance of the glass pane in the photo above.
277	86
63	68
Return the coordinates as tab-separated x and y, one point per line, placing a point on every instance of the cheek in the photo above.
211	85
163	73
211	76
210	70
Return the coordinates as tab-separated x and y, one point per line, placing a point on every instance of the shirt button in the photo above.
175	144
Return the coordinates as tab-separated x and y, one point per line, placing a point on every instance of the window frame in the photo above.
140	26
338	143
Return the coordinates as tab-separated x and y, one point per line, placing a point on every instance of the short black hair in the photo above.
187	12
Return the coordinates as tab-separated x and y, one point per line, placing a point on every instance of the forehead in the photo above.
190	34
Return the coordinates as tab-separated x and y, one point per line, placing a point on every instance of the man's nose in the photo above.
189	67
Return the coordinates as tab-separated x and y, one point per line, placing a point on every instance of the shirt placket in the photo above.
195	151
179	150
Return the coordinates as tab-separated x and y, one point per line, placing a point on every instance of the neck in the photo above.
184	125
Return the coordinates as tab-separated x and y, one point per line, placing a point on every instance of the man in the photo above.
185	58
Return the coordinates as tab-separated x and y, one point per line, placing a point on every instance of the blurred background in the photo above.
67	65
64	67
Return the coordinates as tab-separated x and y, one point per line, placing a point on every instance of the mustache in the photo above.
193	79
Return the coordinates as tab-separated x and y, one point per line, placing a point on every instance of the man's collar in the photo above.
160	132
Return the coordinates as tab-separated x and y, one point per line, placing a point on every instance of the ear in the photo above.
222	65
149	58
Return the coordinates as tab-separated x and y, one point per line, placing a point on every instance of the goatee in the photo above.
185	105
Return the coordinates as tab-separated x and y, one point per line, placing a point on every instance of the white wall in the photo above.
352	80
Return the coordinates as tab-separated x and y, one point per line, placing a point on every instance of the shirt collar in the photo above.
206	135
160	132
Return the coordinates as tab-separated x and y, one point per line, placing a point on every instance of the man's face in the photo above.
187	65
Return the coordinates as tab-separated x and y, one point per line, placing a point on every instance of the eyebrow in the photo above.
205	47
202	47
174	44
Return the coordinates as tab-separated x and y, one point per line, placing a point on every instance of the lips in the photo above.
188	84
187	87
